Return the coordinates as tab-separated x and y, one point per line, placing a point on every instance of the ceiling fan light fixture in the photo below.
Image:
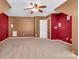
35	9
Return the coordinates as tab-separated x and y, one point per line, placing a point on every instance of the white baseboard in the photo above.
19	37
33	38
66	42
60	41
3	41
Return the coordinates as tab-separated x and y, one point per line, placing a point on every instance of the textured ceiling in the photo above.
19	5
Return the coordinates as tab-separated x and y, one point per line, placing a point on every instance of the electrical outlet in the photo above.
23	34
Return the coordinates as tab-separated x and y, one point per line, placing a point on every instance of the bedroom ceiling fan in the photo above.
35	7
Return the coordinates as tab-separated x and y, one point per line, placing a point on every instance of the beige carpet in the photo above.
35	49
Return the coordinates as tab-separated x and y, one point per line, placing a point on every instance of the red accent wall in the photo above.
65	31
3	26
54	23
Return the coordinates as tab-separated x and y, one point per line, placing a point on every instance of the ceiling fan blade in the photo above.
42	6
27	8
35	5
31	3
40	11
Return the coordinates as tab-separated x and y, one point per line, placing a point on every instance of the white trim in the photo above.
15	38
54	40
60	41
19	37
33	38
10	3
65	42
38	38
73	54
3	40
50	26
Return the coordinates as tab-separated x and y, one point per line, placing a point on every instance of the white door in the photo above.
43	29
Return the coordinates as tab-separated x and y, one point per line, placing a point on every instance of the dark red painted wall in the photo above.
3	26
54	23
65	31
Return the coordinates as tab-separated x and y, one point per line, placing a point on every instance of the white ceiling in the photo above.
19	5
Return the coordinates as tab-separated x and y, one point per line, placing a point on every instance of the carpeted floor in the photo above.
27	48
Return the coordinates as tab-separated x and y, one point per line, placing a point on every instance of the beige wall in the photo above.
23	25
36	26
70	8
29	26
4	6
